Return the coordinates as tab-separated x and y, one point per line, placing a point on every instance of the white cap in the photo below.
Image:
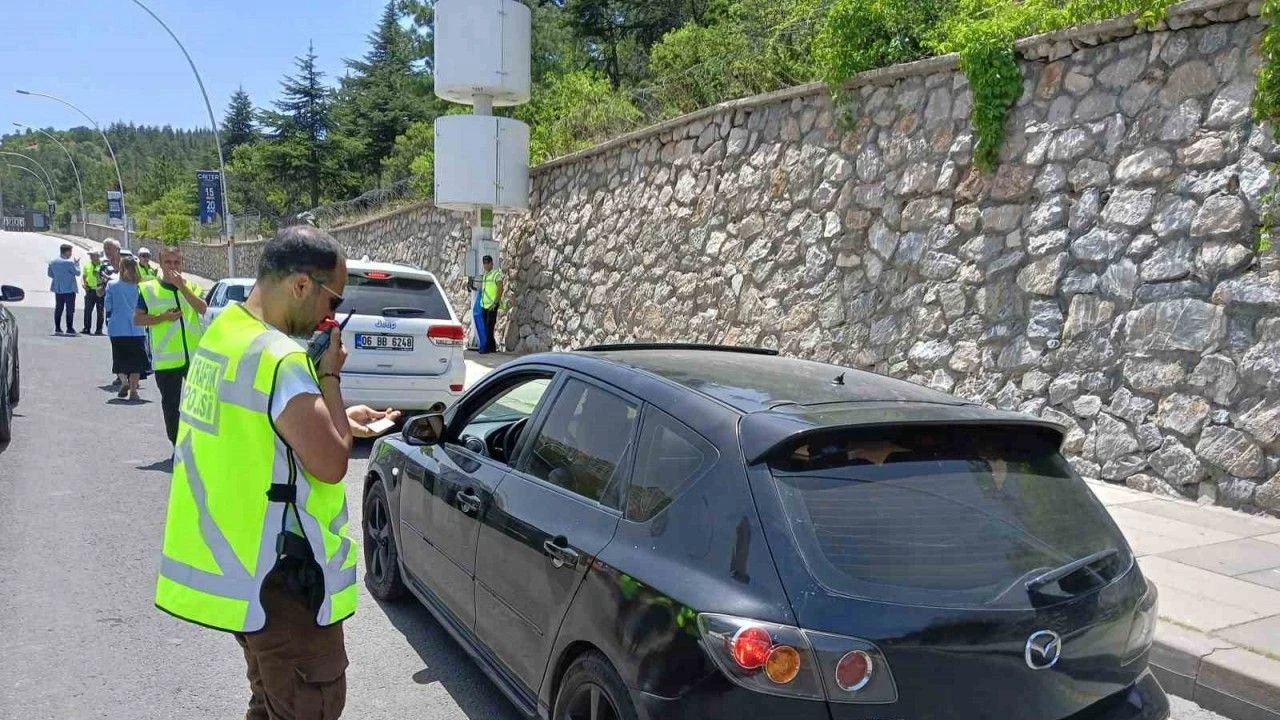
143	251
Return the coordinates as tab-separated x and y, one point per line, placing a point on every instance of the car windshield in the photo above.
945	516
394	296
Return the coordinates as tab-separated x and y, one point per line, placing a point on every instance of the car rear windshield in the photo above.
394	297
945	516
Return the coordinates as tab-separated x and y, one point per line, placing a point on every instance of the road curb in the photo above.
1217	675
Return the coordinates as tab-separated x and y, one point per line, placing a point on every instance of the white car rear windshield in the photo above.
394	297
945	516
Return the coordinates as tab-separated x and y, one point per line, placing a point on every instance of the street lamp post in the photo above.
222	166
124	211
48	179
35	175
74	171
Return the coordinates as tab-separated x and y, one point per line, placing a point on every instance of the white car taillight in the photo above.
785	660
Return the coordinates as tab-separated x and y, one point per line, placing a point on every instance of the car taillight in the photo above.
446	335
785	660
750	647
762	656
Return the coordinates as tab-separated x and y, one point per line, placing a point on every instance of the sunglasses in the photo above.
335	301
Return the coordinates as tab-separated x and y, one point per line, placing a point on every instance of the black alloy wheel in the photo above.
592	690
381	558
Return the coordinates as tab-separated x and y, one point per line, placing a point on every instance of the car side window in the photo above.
670	457
516	401
211	298
585	442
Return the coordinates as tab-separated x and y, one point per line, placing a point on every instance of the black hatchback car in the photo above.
698	532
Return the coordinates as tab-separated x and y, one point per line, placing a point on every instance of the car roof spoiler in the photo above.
763	433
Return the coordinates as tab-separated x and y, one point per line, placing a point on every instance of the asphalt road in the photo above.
83	488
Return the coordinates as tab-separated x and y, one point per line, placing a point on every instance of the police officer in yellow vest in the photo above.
258	537
169	307
491	289
91	278
146	270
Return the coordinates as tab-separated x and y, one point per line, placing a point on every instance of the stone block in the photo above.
1189	325
1183	414
1230	450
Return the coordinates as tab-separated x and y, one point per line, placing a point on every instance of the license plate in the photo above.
368	341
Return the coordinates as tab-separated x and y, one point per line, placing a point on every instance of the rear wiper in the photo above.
1056	574
402	312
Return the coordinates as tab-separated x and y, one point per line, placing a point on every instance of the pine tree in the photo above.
302	121
384	94
238	127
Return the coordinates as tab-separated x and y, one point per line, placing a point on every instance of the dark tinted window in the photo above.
959	517
670	457
583	444
395	297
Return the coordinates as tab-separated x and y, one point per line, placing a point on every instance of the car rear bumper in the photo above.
402	392
718	699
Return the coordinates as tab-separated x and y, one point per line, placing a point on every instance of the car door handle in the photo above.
468	502
561	556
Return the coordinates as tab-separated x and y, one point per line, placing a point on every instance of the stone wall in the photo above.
97	233
1103	277
210	261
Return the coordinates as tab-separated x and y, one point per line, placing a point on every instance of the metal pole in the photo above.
74	170
124	211
35	175
47	178
222	165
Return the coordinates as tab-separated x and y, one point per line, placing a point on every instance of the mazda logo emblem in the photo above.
1043	650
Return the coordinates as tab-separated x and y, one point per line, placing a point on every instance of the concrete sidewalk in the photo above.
1218	573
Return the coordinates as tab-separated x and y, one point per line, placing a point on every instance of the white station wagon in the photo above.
404	342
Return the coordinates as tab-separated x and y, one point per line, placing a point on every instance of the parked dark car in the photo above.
9	376
693	532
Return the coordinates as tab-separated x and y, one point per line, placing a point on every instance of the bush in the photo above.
574	111
861	35
175	229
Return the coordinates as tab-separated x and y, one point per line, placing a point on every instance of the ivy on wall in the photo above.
864	34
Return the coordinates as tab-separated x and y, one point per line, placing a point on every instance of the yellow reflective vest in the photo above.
146	272
90	275
172	343
223	528
489	288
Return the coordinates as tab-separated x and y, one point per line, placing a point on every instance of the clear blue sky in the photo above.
114	61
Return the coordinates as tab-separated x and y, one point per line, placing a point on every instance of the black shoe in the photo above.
116	383
99	333
124	392
84	331
72	333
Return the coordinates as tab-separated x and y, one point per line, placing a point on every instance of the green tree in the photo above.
573	111
413	156
238	128
619	33
307	156
384	94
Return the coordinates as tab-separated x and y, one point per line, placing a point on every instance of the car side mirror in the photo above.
9	293
424	429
